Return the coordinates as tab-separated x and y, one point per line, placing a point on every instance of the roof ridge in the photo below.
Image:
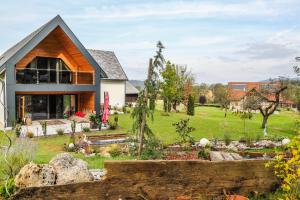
101	50
32	34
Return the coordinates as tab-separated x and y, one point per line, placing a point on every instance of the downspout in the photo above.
3	103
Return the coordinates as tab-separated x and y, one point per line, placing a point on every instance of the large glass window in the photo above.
45	70
42	106
238	87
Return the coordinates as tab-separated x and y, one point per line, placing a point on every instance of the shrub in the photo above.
18	129
183	130
152	149
132	143
11	188
73	126
86	129
202	99
19	154
44	128
115	123
124	109
60	131
288	170
191	106
116	119
203	153
115	150
227	139
29	134
93	118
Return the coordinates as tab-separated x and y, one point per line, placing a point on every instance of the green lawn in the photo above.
208	122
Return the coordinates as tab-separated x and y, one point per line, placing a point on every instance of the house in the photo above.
50	74
131	93
239	91
115	82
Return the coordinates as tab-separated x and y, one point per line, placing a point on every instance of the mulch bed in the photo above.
187	155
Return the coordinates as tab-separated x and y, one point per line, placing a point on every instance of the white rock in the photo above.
70	169
204	142
71	146
285	141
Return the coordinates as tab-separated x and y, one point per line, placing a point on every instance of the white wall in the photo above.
116	91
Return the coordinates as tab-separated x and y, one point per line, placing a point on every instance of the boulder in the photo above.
221	156
204	142
285	141
34	175
70	169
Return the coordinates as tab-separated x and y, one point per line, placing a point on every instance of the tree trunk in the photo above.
265	120
144	117
175	105
165	105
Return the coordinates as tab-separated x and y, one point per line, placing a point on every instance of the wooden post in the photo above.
144	116
76	77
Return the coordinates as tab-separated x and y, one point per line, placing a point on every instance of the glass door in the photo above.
39	107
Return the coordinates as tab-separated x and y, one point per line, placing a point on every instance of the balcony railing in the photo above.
40	76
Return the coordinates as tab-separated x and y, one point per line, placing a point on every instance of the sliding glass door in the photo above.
39	107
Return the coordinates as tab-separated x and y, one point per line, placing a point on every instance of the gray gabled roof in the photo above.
18	51
14	49
109	63
130	89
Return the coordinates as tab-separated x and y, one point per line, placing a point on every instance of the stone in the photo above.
71	146
70	169
35	175
98	174
221	156
204	142
265	144
285	141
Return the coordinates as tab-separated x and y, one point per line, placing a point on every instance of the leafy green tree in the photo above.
221	96
191	105
169	87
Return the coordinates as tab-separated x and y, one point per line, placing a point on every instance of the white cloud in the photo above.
181	9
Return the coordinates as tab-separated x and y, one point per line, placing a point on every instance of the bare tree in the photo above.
265	101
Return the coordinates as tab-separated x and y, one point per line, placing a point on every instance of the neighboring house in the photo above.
239	91
49	74
115	82
131	93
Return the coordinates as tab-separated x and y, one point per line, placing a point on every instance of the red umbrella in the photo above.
106	110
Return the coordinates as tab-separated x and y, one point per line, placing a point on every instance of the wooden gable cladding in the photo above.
58	45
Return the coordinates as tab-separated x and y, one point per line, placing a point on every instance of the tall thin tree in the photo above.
146	101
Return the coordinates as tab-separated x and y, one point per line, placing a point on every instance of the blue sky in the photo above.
218	41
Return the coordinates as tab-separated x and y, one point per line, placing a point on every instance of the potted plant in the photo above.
93	121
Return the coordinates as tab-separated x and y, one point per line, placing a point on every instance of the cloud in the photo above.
180	9
265	50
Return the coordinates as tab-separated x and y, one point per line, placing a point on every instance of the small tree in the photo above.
191	106
145	104
169	86
221	96
183	129
202	99
255	100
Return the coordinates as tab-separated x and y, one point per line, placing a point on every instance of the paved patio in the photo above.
52	127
